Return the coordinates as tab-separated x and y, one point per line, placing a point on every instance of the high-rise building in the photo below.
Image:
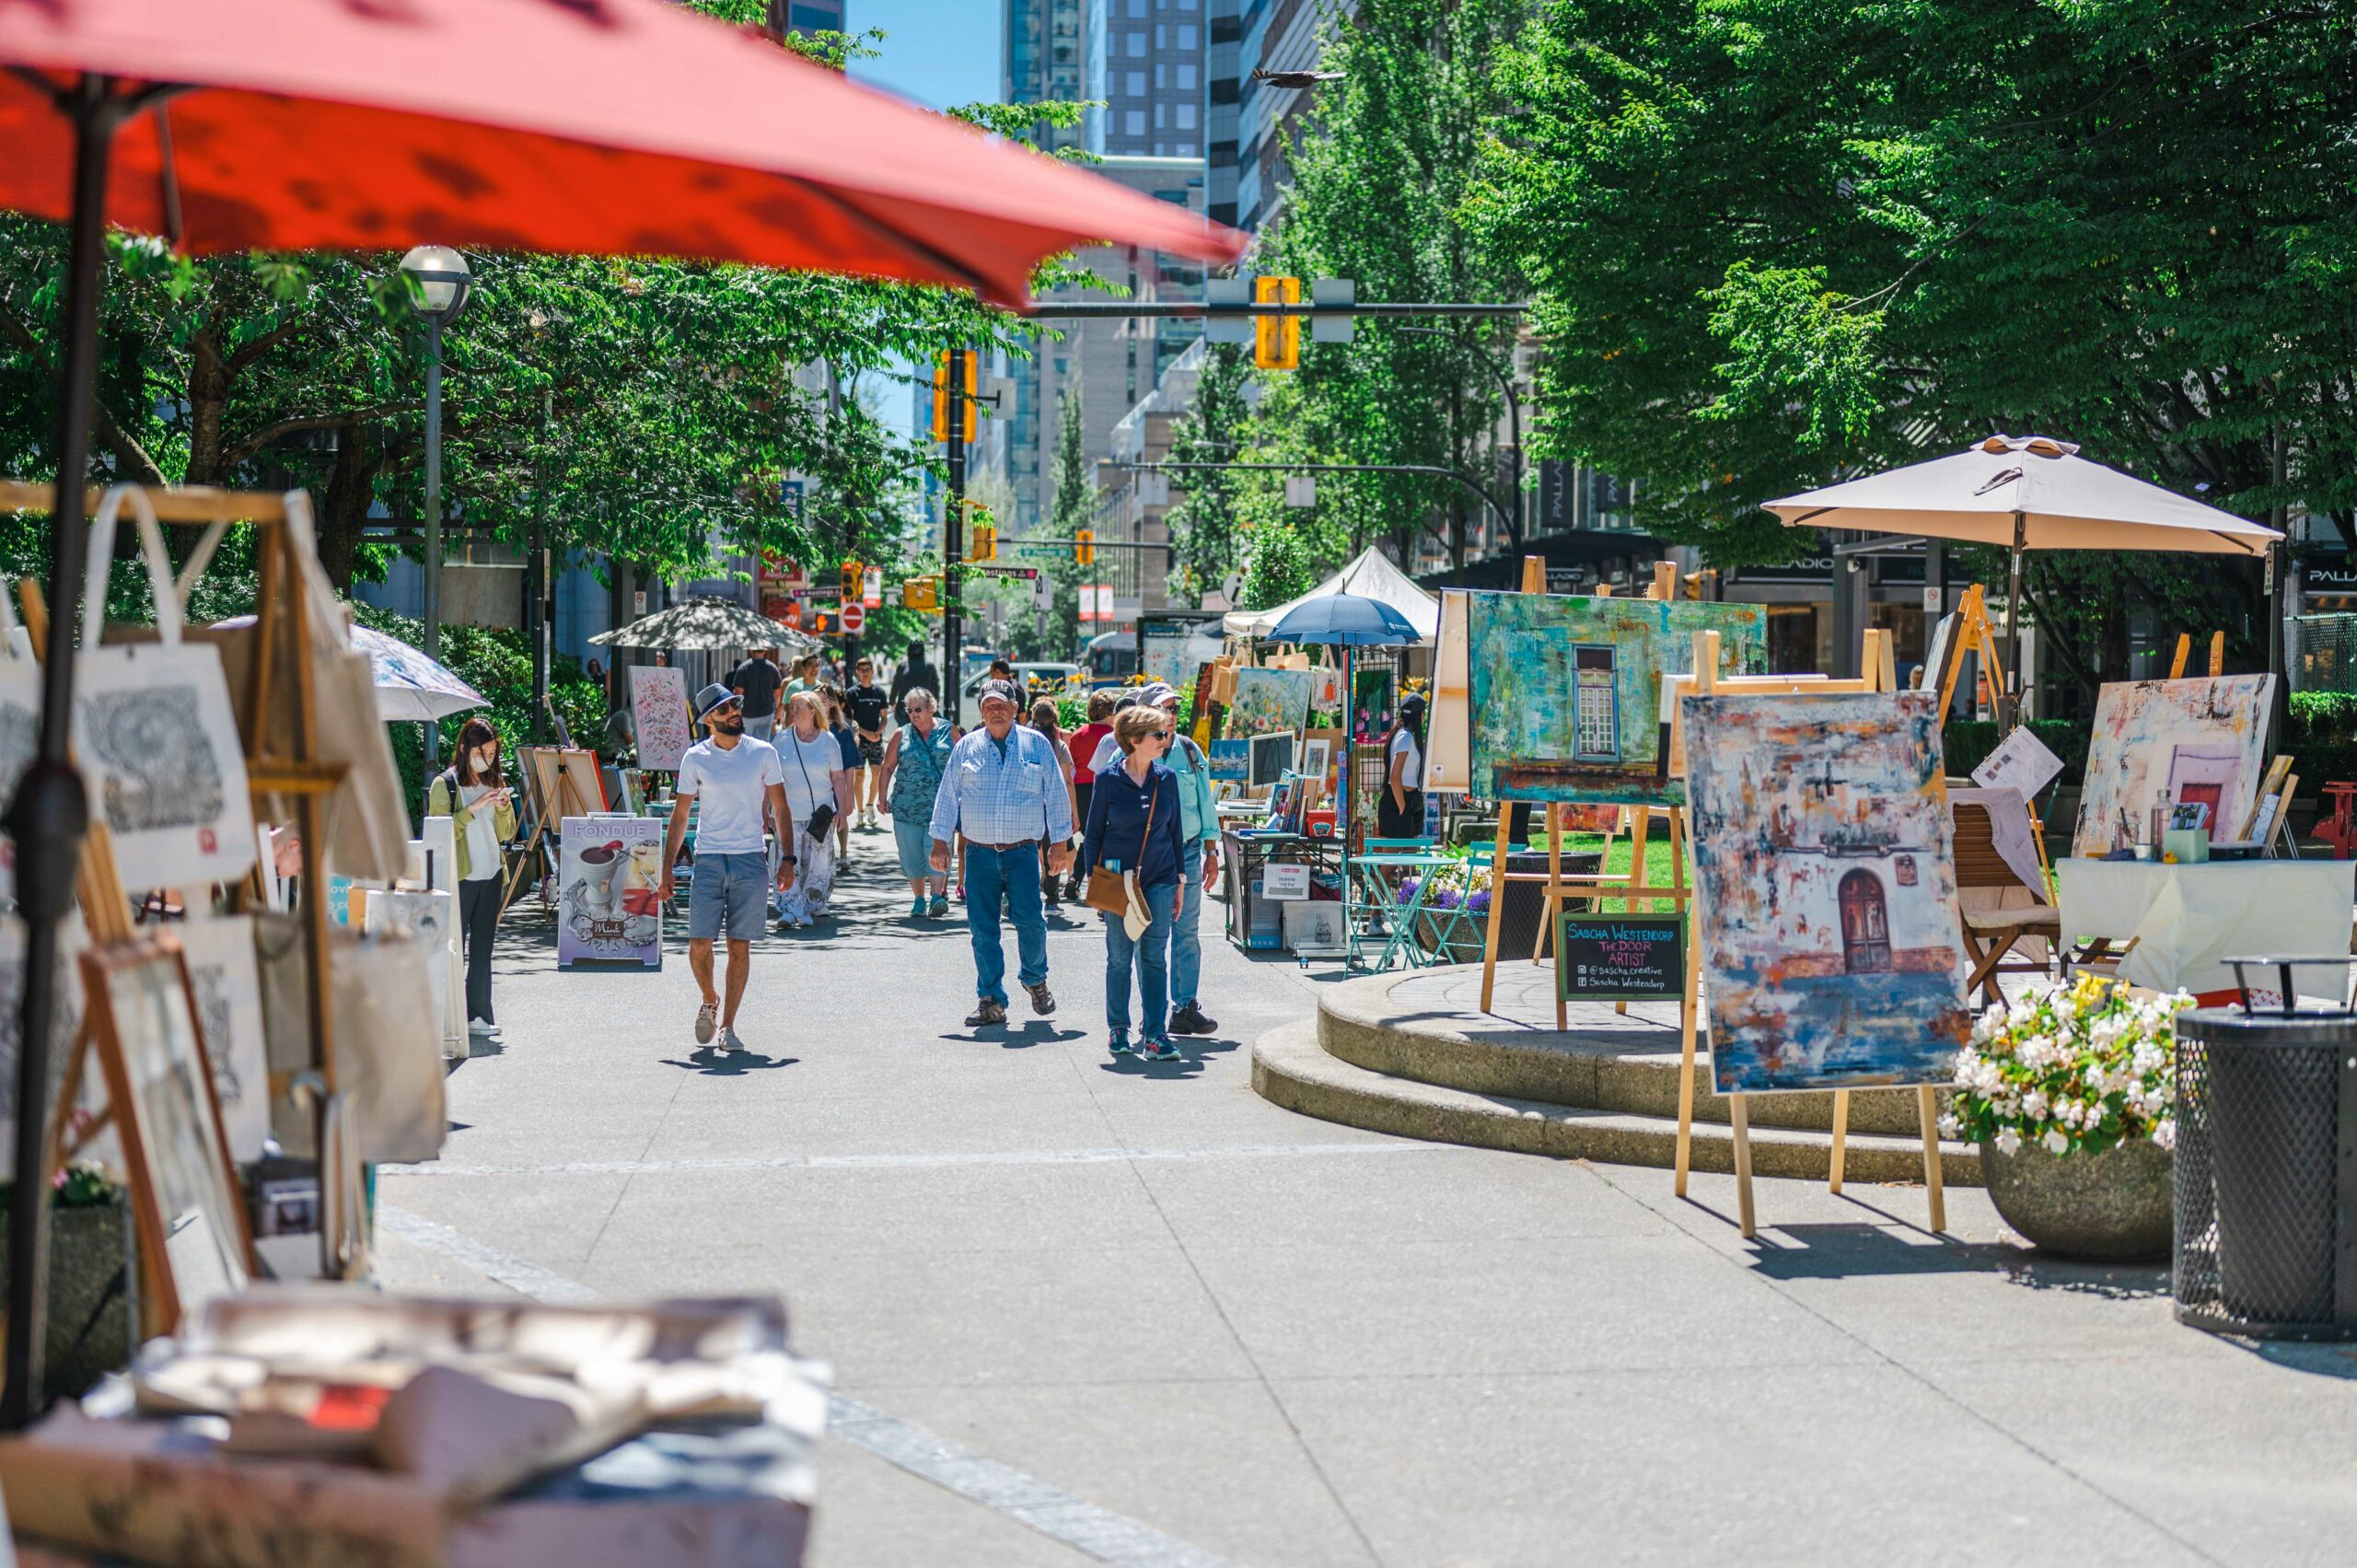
807	15
1223	86
1144	64
1039	59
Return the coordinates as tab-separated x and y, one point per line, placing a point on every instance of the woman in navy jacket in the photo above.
1134	830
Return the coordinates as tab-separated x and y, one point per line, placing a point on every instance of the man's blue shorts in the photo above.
729	890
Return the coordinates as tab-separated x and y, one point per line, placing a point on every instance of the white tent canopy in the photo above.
2063	501
1371	576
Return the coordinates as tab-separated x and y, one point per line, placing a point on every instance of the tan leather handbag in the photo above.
1107	890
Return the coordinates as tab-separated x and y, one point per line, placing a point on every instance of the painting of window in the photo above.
1865	924
1595	730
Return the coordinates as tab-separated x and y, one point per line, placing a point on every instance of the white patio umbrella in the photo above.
409	686
2023	494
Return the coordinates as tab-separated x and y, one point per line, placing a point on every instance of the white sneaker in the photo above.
728	1040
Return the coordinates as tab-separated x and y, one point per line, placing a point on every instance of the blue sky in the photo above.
939	52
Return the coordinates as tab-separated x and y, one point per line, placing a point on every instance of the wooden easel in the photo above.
2185	653
281	759
555	797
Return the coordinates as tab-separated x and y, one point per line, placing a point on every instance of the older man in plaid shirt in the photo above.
1002	790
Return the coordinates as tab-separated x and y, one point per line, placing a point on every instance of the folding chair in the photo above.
1989	933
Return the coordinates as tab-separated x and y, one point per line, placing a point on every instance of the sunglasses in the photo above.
1157	735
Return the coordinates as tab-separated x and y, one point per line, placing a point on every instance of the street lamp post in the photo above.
439	284
1514	419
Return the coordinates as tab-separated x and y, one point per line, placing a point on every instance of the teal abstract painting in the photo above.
1565	691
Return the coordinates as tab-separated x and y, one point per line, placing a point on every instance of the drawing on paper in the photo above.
659	705
1564	692
1268	701
161	772
2198	742
226	983
1830	952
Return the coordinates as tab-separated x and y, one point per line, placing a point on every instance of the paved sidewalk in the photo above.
1086	1311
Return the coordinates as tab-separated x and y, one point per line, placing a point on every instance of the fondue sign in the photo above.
610	908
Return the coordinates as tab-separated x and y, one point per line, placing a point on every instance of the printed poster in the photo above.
659	702
609	908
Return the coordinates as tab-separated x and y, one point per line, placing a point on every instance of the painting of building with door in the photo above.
1830	952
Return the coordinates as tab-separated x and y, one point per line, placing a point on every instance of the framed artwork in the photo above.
2171	743
1563	693
226	981
1230	760
1314	758
1316	926
659	706
1272	759
1374	700
184	1188
609	910
1271	700
1831	953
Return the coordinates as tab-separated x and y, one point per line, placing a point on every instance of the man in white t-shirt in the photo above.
730	780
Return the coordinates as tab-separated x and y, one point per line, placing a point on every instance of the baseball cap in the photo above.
1156	694
712	696
1003	689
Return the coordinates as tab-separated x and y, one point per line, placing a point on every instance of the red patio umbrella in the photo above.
624	126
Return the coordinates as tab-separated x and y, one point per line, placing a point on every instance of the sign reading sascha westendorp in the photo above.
1619	957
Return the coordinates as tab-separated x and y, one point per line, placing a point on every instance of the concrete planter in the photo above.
92	1285
2112	1208
1463	950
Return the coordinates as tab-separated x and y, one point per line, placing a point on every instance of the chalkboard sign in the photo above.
1619	957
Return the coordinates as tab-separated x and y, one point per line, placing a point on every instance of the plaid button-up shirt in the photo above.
996	798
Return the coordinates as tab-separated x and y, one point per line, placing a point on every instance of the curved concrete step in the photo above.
1292	1069
1427	1025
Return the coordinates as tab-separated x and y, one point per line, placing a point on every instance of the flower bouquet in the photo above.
2077	1068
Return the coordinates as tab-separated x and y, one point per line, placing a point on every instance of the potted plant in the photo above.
2070	1093
93	1316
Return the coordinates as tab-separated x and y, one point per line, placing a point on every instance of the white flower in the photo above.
2009	1141
2164	1133
2095	1075
2057	1142
1947	1126
2034	1105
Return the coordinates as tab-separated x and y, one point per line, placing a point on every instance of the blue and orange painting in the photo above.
1565	690
1832	957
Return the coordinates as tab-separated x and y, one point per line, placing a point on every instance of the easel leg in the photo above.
1927	1105
1640	825
1840	1139
1497	906
1554	904
1739	1115
1689	1005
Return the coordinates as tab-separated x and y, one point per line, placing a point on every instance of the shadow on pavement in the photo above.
728	1064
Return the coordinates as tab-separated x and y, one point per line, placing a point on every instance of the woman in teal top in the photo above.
914	761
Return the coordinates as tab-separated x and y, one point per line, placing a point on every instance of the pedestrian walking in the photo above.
915	761
1399	805
804	677
1002	790
1084	743
756	683
1043	719
476	797
810	760
1107	755
869	703
1133	833
728	778
1197	872
847	791
913	675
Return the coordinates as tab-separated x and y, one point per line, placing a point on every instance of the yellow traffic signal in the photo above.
1084	547
1276	339
985	543
921	593
852	570
941	399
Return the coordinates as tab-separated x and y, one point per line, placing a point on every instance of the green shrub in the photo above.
2326	718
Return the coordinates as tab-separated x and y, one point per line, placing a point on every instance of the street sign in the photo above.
1232	589
1301	490
1043	593
854	616
1025	572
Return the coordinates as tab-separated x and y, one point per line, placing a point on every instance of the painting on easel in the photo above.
1564	695
1831	948
2173	742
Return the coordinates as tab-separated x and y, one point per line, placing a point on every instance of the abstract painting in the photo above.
1268	701
659	708
1564	694
1372	705
2171	742
1831	951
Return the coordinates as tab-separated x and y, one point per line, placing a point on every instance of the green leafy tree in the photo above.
1057	628
1206	526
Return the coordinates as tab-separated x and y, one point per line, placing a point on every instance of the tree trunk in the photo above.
351	488
208	405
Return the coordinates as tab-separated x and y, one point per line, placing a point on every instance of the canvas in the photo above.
1446	726
1564	695
2162	742
226	983
1270	700
1372	705
659	706
606	904
1832	957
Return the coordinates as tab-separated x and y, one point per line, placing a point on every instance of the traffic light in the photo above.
1084	547
1276	339
941	399
921	593
985	543
851	581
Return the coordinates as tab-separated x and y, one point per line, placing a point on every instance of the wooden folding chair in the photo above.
1989	933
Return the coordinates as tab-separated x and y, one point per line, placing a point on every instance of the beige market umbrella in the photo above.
2023	494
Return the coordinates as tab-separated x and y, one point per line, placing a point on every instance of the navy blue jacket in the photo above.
1117	819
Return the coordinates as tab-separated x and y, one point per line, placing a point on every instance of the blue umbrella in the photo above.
1349	619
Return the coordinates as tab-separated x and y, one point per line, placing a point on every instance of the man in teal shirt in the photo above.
1199	834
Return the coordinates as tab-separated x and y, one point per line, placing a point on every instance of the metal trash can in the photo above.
2266	1166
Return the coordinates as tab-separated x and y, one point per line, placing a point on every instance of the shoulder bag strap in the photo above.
1148	833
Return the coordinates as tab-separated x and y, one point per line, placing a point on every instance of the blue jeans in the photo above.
1012	874
1151	953
1187	936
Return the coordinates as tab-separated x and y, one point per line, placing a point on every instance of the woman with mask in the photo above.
474	795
